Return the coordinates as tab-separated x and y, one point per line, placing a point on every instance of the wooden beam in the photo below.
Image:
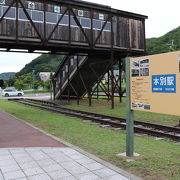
79	24
32	23
49	37
100	33
7	10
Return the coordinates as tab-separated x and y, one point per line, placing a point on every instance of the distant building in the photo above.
116	75
45	76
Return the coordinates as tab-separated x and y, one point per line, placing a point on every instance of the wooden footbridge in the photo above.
93	38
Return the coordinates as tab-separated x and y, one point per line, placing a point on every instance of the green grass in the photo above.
104	107
161	158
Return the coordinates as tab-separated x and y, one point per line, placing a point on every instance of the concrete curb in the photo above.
107	164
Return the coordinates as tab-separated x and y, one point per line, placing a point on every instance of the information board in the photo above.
155	83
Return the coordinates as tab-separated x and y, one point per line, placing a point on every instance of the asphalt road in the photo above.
45	96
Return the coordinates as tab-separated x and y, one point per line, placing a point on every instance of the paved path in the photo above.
41	157
15	133
52	164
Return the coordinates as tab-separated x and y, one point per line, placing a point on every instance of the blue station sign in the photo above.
164	83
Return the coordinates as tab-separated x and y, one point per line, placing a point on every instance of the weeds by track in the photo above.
104	120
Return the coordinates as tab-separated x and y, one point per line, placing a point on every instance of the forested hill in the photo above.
43	63
6	76
164	43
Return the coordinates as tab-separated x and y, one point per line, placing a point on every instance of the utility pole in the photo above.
33	79
51	85
171	45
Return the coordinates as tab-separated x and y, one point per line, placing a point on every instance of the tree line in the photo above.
26	81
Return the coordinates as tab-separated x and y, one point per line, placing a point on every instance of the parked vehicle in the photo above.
12	92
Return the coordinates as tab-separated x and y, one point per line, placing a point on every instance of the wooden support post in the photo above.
54	98
112	80
77	66
120	80
108	86
61	75
89	96
98	90
112	63
53	88
68	81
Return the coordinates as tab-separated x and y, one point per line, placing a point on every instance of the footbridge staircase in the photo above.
77	75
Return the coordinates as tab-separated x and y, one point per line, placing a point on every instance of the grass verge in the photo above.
160	160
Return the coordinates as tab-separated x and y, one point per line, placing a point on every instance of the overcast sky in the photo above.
163	16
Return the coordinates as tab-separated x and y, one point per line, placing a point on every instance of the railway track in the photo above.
104	120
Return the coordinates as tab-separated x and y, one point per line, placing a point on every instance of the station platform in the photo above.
28	153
